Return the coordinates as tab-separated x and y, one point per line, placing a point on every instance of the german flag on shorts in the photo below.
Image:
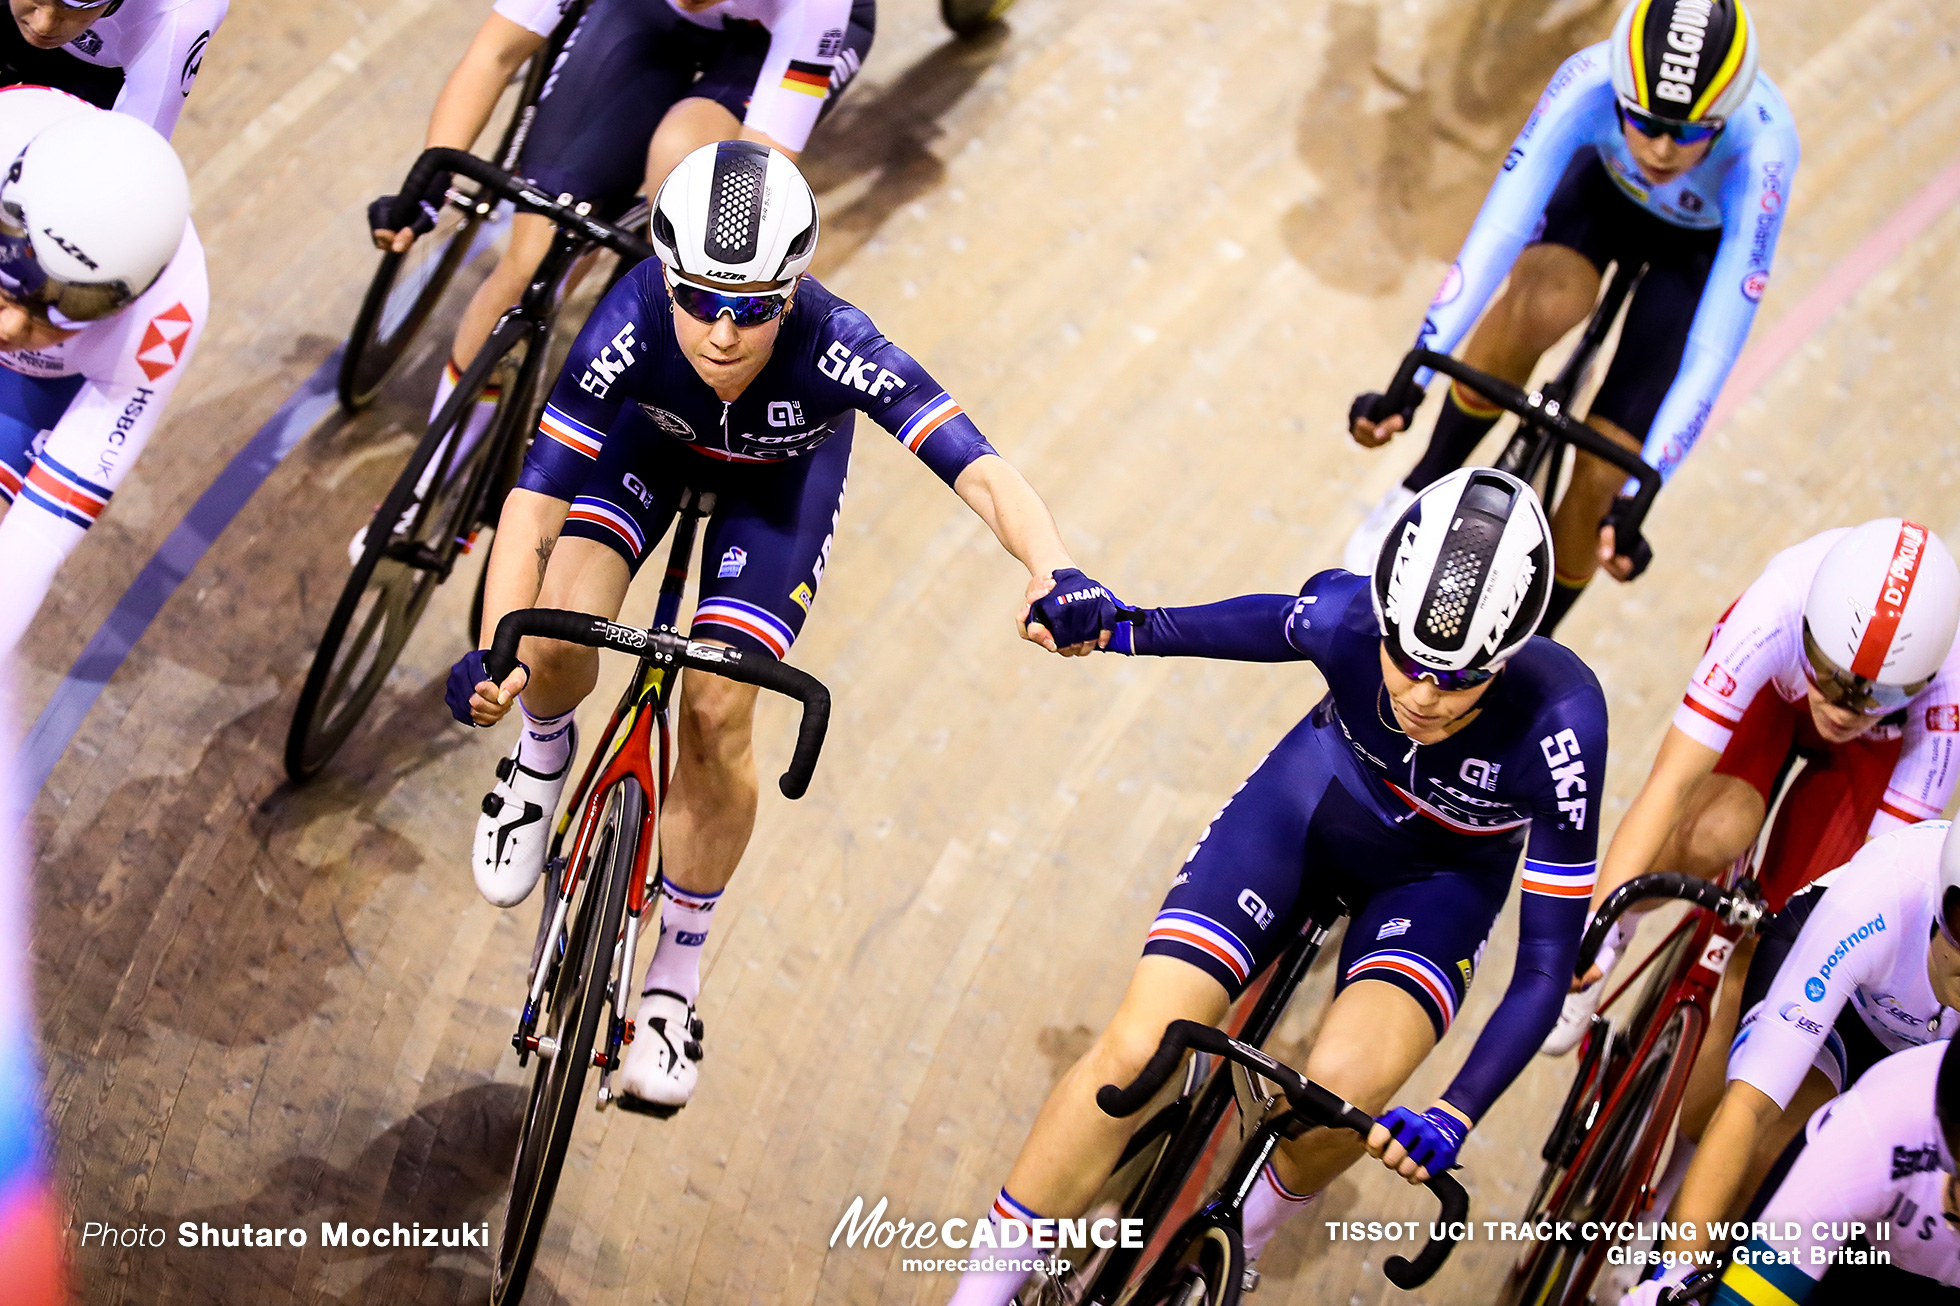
807	78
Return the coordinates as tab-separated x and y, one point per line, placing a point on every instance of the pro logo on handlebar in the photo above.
630	636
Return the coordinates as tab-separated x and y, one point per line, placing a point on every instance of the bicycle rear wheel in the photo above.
577	998
400	568
1203	1266
401	296
1608	1173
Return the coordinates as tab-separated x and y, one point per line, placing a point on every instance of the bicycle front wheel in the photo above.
413	540
402	295
577	998
1609	1171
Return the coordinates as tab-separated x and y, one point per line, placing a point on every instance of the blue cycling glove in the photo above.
1431	1139
1077	611
464	677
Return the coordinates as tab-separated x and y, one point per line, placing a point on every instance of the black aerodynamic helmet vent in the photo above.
735	201
1465	562
663	230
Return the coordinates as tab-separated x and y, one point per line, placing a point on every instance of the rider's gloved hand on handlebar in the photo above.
1371	432
1069	614
1648	1292
1621	566
476	700
1418	1146
427	208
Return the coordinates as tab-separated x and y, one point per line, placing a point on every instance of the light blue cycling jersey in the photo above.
1740	188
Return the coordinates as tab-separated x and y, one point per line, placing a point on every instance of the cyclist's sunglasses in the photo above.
46	298
747	309
1854	693
1686	133
1447	681
1949	913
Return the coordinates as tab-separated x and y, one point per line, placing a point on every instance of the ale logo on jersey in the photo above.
162	347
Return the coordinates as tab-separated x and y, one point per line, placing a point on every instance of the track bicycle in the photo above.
406	287
1160	1177
451	488
577	1010
1539	451
1606	1143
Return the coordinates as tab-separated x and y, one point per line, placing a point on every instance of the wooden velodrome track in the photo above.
1154	248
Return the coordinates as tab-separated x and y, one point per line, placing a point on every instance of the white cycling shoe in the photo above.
658	1073
1574	1018
1365	545
514	830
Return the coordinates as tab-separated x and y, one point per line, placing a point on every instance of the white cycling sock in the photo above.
546	744
996	1287
684	920
1269	1205
33	541
473	425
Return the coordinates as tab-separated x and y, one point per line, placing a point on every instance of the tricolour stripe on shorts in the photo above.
1414	966
1559	879
598	512
929	418
570	432
758	623
1174	925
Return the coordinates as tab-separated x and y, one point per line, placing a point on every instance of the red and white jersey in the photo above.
130	365
1757	646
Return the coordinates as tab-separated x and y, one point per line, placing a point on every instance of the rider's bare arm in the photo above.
1001	497
1715	1179
470	95
527	530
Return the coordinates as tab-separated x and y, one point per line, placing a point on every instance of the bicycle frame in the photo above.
625	749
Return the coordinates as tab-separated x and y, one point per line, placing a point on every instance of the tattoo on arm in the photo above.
546	543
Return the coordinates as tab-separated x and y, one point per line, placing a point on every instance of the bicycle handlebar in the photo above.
1655	884
1307	1099
518	192
1695	1287
1532	407
766	673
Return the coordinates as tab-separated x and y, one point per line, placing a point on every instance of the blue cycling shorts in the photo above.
29	405
1420	900
765	545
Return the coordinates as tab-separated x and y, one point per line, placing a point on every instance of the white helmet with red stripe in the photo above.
1881	613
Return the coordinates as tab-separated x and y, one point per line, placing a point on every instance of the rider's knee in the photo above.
1720	828
1546	302
559	666
1125	1047
1354	1072
717	714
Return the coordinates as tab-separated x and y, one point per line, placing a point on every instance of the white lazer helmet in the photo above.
1463	578
92	208
1880	616
735	213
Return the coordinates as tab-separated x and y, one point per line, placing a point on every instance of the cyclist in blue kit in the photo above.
718	367
1661	147
1450	740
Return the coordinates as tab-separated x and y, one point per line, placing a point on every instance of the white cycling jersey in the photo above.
1864	943
1875	1158
805	59
127	367
159	45
1758	645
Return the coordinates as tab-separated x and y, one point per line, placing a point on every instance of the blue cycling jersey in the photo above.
829	360
1740	187
1527	770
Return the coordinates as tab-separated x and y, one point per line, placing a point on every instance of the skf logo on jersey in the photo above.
1255	906
1391	928
1568	774
840	364
1944	717
604	369
1719	680
1482	774
733	561
162	346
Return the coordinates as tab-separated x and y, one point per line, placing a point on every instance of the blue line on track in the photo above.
167	569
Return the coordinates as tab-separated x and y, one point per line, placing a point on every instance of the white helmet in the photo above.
92	208
735	213
1880	616
1948	915
1463	578
1688	61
